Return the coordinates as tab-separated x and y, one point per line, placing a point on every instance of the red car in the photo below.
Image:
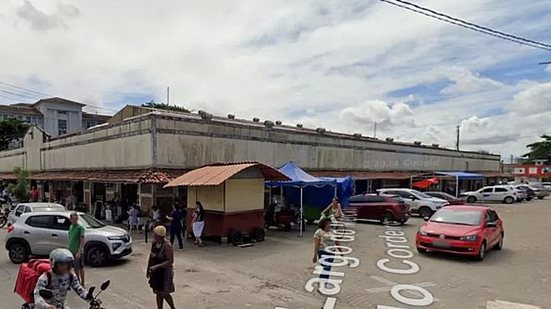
384	208
463	230
447	197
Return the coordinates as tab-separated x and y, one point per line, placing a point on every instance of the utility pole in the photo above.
457	139
375	130
167	95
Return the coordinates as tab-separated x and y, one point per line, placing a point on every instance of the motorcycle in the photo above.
4	213
95	302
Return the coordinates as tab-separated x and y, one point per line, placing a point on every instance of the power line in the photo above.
467	25
28	90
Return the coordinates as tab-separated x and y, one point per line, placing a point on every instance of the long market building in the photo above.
140	149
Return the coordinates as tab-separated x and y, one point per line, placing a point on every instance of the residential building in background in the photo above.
56	116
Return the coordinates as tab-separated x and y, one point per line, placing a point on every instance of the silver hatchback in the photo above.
38	233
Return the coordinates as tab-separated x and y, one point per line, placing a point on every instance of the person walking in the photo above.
133	218
160	271
198	223
76	246
176	225
323	240
34	194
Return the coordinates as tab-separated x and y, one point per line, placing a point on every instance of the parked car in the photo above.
419	202
32	207
540	190
521	193
384	208
463	230
528	191
452	200
500	193
546	185
38	233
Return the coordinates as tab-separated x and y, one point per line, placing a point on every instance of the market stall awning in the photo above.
423	184
125	176
213	175
299	178
460	175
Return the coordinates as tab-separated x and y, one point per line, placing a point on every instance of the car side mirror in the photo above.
412	197
491	224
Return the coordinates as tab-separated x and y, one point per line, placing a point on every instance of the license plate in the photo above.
441	244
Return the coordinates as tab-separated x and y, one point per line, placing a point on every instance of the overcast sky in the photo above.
341	64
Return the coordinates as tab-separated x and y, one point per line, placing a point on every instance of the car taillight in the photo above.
10	228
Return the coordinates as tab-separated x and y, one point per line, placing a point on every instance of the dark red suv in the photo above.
384	208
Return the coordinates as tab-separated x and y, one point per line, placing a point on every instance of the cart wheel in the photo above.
259	234
235	237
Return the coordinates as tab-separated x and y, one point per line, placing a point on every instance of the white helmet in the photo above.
61	255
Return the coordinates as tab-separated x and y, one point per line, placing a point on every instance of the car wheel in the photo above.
528	199
18	253
499	244
508	200
425	212
471	199
540	197
482	252
96	256
387	218
402	222
421	250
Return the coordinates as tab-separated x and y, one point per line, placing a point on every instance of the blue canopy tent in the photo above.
457	176
300	179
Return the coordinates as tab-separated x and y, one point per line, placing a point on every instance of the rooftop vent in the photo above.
206	116
278	122
418	143
231	116
357	135
320	130
255	119
435	145
299	125
389	139
269	124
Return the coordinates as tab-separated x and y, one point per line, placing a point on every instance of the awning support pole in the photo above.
456	186
301	213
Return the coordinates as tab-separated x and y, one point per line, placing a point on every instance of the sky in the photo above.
343	65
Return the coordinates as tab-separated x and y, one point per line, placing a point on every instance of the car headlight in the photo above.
469	238
422	233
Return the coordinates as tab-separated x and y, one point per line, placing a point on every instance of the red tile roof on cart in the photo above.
213	175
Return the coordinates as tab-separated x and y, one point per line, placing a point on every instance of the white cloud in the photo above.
322	63
535	99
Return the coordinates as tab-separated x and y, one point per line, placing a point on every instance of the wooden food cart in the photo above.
232	195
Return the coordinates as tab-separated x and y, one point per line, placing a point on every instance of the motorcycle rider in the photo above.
58	281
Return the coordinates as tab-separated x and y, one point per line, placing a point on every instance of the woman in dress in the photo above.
159	268
333	211
323	240
198	223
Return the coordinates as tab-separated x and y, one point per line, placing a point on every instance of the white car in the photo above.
419	202
32	207
39	233
501	193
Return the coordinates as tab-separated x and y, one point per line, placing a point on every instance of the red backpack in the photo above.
27	277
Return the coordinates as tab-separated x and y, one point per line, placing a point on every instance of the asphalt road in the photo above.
274	273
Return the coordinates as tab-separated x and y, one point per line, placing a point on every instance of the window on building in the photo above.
28	119
62	126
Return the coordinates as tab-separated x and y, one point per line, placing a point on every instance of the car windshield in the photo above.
421	194
91	222
461	217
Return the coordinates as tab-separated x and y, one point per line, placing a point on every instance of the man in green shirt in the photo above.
76	246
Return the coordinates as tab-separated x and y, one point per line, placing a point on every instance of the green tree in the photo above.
11	130
540	150
164	106
20	189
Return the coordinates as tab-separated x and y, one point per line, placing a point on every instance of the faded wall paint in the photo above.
211	197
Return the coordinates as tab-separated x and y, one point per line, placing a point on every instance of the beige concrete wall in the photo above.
244	194
10	159
211	197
